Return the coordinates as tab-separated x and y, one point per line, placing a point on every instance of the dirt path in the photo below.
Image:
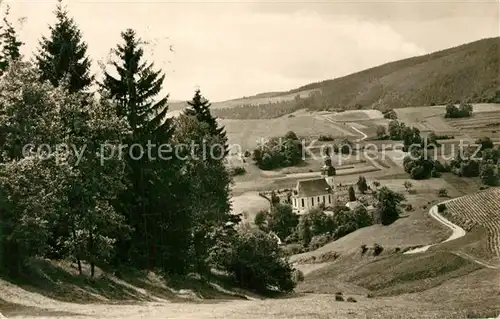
362	138
336	125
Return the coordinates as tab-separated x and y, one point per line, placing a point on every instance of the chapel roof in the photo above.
313	187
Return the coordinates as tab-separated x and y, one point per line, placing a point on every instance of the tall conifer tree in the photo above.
136	87
153	204
210	184
64	54
10	44
199	107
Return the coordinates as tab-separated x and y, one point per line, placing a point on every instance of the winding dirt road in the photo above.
457	232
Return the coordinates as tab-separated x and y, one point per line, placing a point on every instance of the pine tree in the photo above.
64	54
200	108
209	178
10	44
153	203
136	87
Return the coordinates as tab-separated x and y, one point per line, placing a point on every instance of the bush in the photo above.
442	192
452	111
364	249
293	238
441	208
292	249
418	172
326	138
319	241
339	297
297	276
377	249
435	173
279	152
409	208
255	261
238	170
351	299
390	114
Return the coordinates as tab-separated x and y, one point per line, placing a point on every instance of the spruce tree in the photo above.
153	203
210	180
136	87
199	107
10	44
64	54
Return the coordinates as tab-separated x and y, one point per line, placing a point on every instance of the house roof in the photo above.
312	187
353	205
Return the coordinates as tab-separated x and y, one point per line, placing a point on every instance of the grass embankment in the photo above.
60	281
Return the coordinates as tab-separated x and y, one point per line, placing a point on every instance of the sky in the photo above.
231	49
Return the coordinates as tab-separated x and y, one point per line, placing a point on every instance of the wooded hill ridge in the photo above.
468	72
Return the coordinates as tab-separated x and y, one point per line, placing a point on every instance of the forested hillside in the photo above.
469	72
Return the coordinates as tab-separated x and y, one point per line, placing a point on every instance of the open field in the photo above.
264	98
357	115
248	133
250	203
479	125
483	209
485	121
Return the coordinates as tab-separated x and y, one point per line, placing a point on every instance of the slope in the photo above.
467	72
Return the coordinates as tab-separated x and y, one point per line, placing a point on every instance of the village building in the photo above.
319	192
356	204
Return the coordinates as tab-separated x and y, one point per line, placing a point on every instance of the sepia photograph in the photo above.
247	159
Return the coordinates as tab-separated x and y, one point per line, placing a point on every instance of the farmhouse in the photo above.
317	192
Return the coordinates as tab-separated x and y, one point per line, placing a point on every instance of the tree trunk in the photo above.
78	261
91	253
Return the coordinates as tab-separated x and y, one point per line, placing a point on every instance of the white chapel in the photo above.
314	192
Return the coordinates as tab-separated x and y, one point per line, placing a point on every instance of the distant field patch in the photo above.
250	203
420	186
439	125
357	115
256	100
249	133
479	107
411	115
485	119
479	124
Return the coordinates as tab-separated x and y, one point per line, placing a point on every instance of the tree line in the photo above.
170	215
